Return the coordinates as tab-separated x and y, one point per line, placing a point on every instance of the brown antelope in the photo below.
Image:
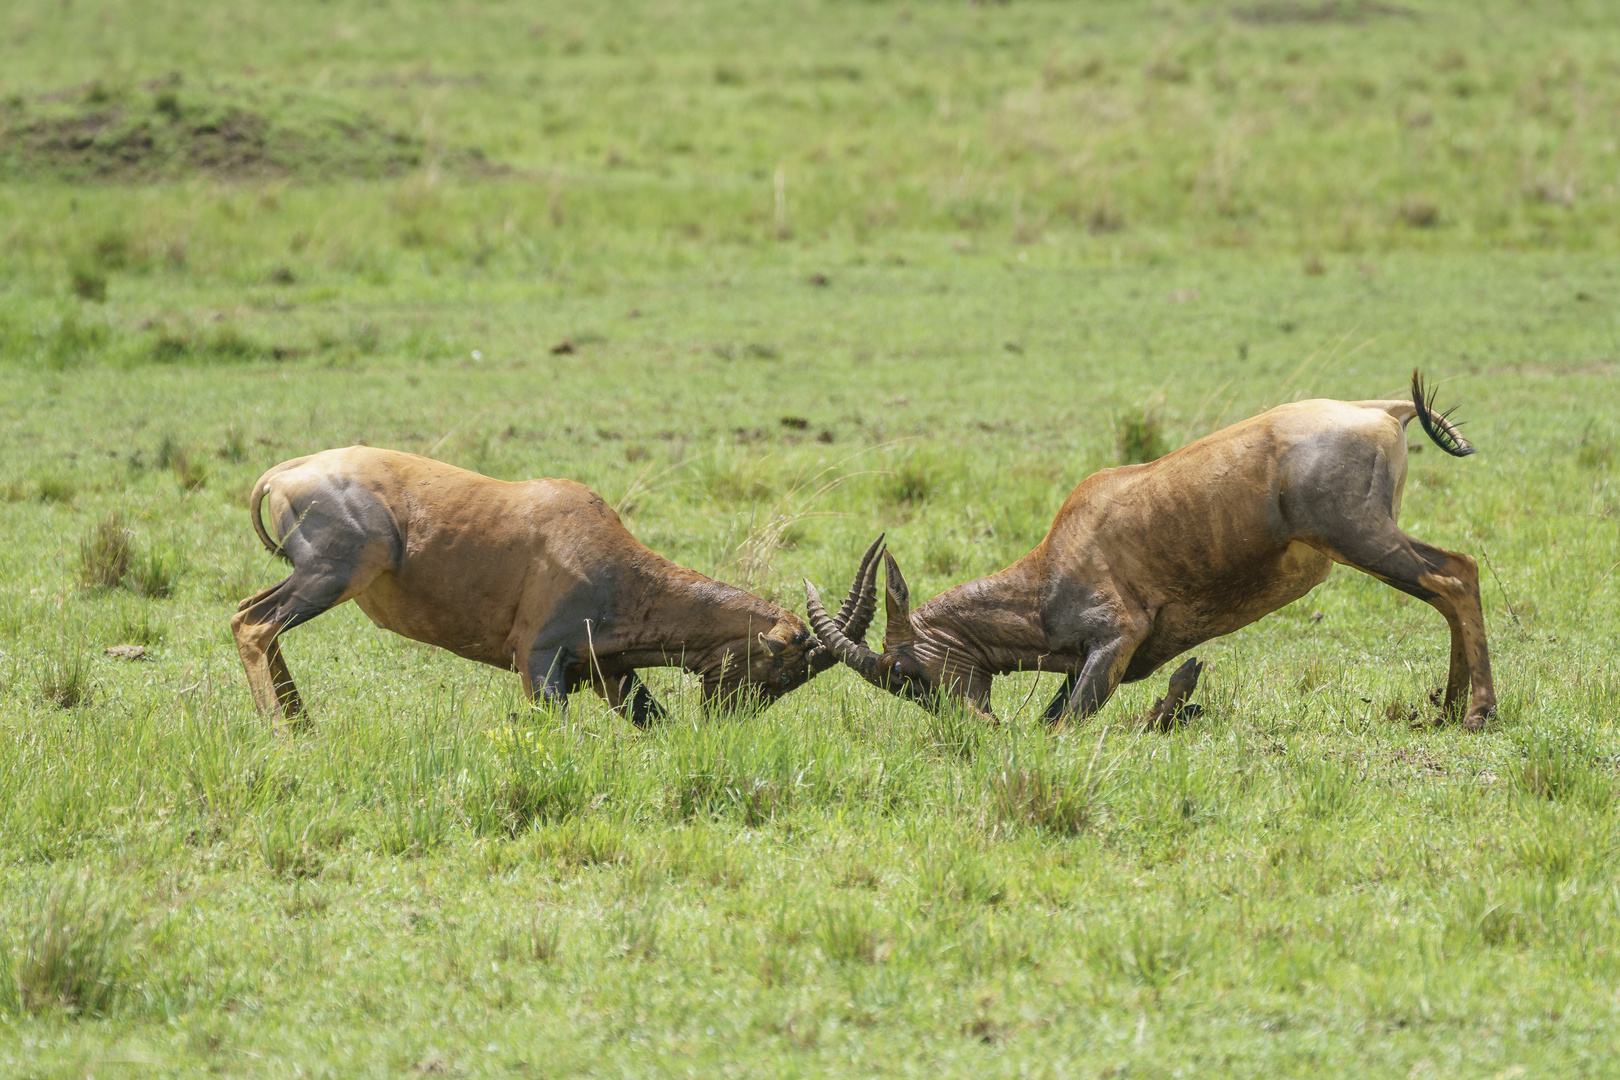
1144	562
540	576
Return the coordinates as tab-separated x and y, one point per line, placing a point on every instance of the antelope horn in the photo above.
896	603
853	653
854	615
852	601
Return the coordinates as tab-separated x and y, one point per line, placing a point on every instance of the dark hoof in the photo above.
1174	709
1477	721
1184	680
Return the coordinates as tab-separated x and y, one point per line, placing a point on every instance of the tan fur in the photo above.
536	575
1144	562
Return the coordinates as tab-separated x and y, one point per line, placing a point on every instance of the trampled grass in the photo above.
773	280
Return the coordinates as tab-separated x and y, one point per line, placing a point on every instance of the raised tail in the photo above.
254	500
1439	426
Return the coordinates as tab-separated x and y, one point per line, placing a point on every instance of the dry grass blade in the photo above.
646	481
749	562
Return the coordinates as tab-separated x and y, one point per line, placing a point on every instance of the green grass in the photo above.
774	279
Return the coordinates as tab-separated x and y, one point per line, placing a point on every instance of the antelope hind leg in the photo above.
1470	652
292	706
1448	582
262	618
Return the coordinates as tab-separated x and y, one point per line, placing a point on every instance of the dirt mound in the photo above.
164	131
1278	12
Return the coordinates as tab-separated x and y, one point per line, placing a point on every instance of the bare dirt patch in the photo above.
166	130
1283	12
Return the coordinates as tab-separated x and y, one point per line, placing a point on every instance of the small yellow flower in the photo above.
505	738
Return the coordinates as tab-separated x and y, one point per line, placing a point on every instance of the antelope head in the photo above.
789	655
910	665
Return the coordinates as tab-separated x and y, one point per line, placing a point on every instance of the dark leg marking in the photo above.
644	708
1054	710
547	668
1173	709
1100	676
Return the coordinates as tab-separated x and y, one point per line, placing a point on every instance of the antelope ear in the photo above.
777	640
896	605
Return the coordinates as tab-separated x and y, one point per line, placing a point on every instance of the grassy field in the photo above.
775	278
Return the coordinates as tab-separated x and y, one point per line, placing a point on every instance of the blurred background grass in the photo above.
1116	127
711	258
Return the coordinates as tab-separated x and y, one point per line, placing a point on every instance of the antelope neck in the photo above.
706	614
992	624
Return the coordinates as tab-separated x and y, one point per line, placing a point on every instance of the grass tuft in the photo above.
1043	798
1596	449
1325	788
72	956
848	933
633	927
1151	951
234	446
88	282
1553	771
153	574
191	472
412	827
913	480
290	851
142	626
541	944
109	558
64	680
106	552
55	489
961	877
951	731
582	842
1419	212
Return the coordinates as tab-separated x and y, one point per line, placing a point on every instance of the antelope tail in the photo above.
1439	426
258	522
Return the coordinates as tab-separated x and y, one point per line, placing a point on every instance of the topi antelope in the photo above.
1147	561
540	576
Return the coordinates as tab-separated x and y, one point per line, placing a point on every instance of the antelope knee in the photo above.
251	635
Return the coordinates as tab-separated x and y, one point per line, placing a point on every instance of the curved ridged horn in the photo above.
855	654
854	615
852	601
896	604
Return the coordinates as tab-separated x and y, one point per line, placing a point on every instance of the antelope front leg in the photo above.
1099	678
628	696
1060	701
1172	709
644	708
544	680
